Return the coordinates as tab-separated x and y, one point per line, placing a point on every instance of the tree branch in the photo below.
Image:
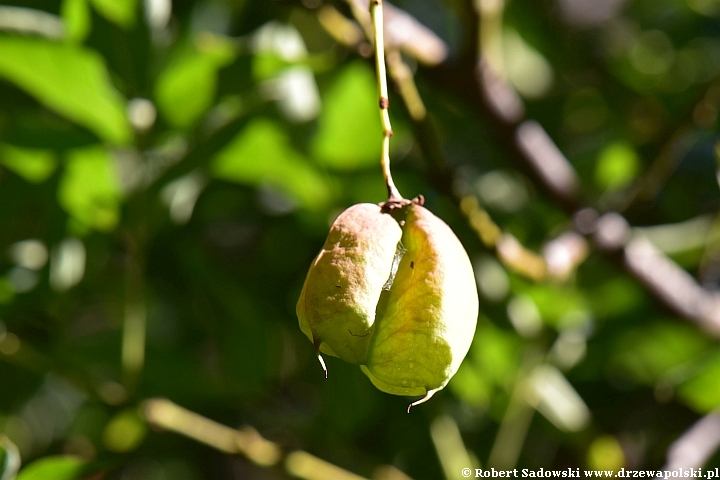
246	441
695	447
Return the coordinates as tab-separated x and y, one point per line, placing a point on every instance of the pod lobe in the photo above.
429	322
336	309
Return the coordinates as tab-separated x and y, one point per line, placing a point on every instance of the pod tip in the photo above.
322	364
427	397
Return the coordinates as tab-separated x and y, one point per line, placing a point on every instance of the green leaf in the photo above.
262	153
527	69
9	459
650	352
558	303
349	134
54	468
186	87
77	20
470	386
33	164
90	190
495	352
618	165
121	12
68	79
616	297
266	65
702	392
124	432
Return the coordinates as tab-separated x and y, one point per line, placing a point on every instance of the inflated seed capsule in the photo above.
401	302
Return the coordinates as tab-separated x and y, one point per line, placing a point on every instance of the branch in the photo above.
703	114
664	278
695	447
547	160
502	99
403	32
246	441
560	257
302	464
673	285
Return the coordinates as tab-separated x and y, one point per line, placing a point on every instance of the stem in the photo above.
376	13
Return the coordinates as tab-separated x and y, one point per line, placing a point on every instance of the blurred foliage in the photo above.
168	170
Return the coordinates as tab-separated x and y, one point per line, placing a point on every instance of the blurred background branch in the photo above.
246	441
695	447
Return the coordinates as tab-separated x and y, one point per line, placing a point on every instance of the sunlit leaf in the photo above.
268	64
606	453
89	188
710	8
54	468
186	88
557	304
262	154
77	20
124	432
69	79
617	166
121	12
702	391
33	164
349	135
526	68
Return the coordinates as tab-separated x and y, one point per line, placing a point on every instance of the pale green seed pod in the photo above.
402	303
430	315
337	304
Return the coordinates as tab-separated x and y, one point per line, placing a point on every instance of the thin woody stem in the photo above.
376	13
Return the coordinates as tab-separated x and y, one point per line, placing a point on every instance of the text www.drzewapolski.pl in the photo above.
577	473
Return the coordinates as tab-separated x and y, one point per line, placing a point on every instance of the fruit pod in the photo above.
336	309
428	320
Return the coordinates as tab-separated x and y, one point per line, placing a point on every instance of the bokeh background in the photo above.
168	170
